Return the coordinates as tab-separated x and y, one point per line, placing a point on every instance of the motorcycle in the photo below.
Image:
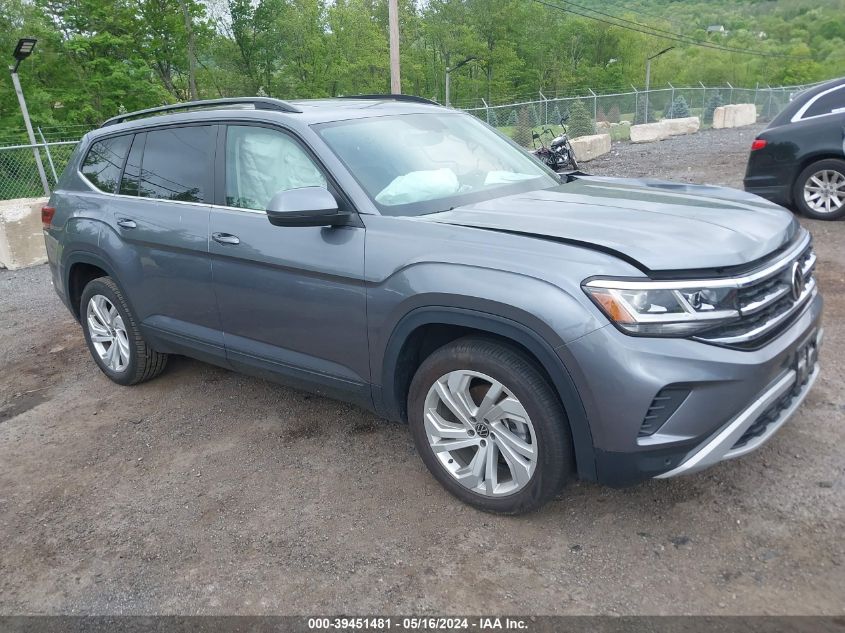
559	155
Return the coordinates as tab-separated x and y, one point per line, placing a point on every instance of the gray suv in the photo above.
407	258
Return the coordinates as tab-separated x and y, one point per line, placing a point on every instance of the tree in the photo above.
580	120
523	131
677	109
714	101
492	117
95	56
534	115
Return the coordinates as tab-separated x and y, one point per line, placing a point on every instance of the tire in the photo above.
474	366
829	185
572	161
134	360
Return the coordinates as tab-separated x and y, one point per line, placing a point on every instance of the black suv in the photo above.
799	160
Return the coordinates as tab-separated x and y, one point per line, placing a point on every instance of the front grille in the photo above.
767	306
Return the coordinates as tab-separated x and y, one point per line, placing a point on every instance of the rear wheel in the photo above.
819	190
113	337
489	427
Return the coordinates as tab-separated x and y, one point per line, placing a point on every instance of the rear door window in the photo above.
177	164
104	161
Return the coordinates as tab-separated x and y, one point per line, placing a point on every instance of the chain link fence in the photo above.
636	106
19	176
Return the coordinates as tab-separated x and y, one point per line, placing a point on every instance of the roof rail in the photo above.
259	103
394	97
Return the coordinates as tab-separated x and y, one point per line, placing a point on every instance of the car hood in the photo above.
657	225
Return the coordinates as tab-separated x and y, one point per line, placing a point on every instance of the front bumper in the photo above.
618	378
759	421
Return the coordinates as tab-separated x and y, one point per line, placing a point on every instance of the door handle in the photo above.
126	223
226	238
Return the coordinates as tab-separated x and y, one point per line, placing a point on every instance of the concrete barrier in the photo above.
686	125
21	237
648	132
587	148
736	115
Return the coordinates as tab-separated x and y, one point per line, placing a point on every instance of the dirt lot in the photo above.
209	492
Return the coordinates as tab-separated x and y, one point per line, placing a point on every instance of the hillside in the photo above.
95	57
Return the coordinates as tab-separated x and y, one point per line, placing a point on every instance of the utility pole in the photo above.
192	52
393	18
22	51
648	77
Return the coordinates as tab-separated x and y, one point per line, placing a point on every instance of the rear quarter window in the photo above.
104	162
833	101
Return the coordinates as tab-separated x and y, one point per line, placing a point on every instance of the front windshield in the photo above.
413	164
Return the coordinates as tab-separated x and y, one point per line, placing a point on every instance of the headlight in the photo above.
662	308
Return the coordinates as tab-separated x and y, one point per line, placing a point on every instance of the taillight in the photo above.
759	143
47	214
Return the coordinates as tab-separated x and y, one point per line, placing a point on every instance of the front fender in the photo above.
388	405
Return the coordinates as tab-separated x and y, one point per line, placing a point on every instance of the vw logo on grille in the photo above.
798	281
482	429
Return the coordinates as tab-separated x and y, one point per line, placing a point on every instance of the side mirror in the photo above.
306	206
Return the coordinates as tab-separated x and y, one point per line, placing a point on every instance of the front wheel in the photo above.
572	161
819	190
489	427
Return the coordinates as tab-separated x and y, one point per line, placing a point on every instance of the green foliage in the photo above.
580	121
492	117
95	57
641	115
677	109
534	115
522	133
714	100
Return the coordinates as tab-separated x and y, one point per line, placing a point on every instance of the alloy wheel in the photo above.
108	333
480	433
824	191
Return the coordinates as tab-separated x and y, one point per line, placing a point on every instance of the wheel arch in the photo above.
81	267
425	329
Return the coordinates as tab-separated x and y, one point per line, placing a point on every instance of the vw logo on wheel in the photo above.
482	429
798	281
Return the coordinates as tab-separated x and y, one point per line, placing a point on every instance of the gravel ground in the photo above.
209	492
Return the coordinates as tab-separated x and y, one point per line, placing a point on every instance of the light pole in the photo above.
393	28
23	50
449	76
648	76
